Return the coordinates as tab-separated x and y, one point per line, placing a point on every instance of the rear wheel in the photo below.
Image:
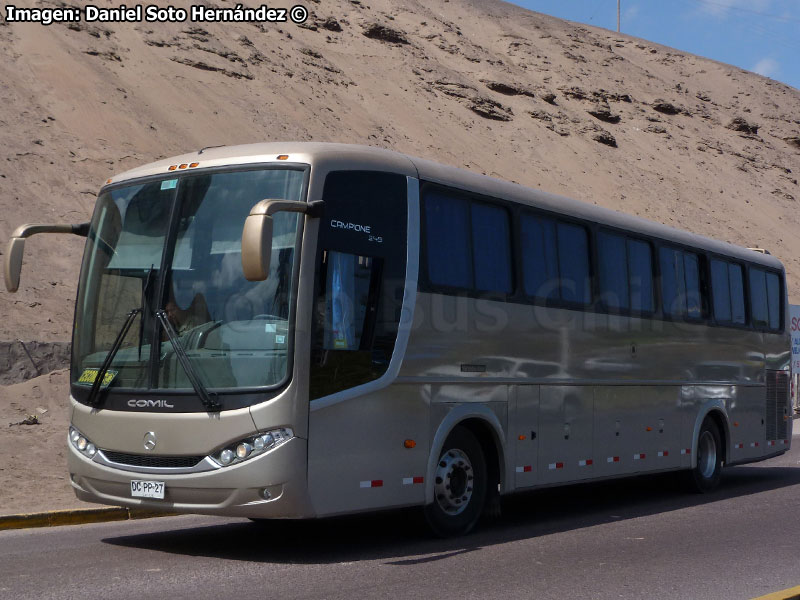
706	475
459	485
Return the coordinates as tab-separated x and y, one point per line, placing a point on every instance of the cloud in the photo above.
721	8
767	67
630	13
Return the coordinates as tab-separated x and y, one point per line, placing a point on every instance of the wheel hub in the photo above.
453	482
706	455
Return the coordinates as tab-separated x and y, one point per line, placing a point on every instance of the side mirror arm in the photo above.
16	247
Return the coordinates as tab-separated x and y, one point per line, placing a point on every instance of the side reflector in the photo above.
410	444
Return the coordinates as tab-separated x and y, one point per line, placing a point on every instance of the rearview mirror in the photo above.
16	247
257	234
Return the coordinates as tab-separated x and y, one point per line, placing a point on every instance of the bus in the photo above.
302	330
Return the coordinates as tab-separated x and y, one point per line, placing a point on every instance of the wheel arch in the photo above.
483	423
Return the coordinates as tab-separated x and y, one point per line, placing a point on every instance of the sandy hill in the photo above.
480	84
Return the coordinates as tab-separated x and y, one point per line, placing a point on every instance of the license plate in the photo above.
147	489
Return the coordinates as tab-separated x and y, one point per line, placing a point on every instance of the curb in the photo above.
78	516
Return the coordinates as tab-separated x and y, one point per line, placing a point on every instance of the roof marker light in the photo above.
173	167
283	157
193	165
183	166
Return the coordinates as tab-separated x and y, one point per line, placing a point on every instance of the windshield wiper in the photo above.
211	403
91	400
145	298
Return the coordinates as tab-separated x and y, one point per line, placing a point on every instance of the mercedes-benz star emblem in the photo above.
149	440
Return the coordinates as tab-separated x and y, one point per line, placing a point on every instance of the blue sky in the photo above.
757	35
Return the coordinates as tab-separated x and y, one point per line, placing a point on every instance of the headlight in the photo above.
81	443
252	446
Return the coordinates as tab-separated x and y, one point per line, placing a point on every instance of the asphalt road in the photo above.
640	538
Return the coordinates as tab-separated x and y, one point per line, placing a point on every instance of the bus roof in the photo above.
372	158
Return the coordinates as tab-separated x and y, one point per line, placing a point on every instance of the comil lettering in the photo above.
352	226
150	404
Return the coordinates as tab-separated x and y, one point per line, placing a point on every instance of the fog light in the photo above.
265	494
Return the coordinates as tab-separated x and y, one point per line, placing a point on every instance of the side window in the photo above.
625	272
539	257
359	281
680	283
351	283
758	298
555	260
694	306
468	243
447	240
774	300
737	294
491	244
673	282
720	290
612	270
727	289
640	273
573	263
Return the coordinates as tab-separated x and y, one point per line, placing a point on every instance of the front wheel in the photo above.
459	486
706	475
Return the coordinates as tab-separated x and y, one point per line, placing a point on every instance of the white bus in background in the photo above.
298	330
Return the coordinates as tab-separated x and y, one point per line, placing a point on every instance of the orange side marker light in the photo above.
409	444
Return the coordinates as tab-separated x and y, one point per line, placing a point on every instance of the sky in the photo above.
758	35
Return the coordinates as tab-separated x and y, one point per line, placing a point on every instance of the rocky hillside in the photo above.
607	118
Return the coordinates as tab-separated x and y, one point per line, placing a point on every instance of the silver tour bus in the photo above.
299	330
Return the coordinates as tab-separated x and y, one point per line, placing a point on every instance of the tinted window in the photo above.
468	243
539	257
758	298
573	263
625	272
673	286
491	248
774	301
692	272
737	294
720	290
447	239
727	288
680	283
359	280
640	273
612	270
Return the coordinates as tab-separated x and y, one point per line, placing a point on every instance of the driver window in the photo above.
350	279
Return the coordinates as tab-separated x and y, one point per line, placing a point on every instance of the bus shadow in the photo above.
401	537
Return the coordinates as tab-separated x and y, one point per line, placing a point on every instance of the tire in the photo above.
459	486
705	477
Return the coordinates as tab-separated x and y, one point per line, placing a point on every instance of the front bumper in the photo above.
229	491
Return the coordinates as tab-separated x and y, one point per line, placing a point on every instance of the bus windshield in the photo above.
174	244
